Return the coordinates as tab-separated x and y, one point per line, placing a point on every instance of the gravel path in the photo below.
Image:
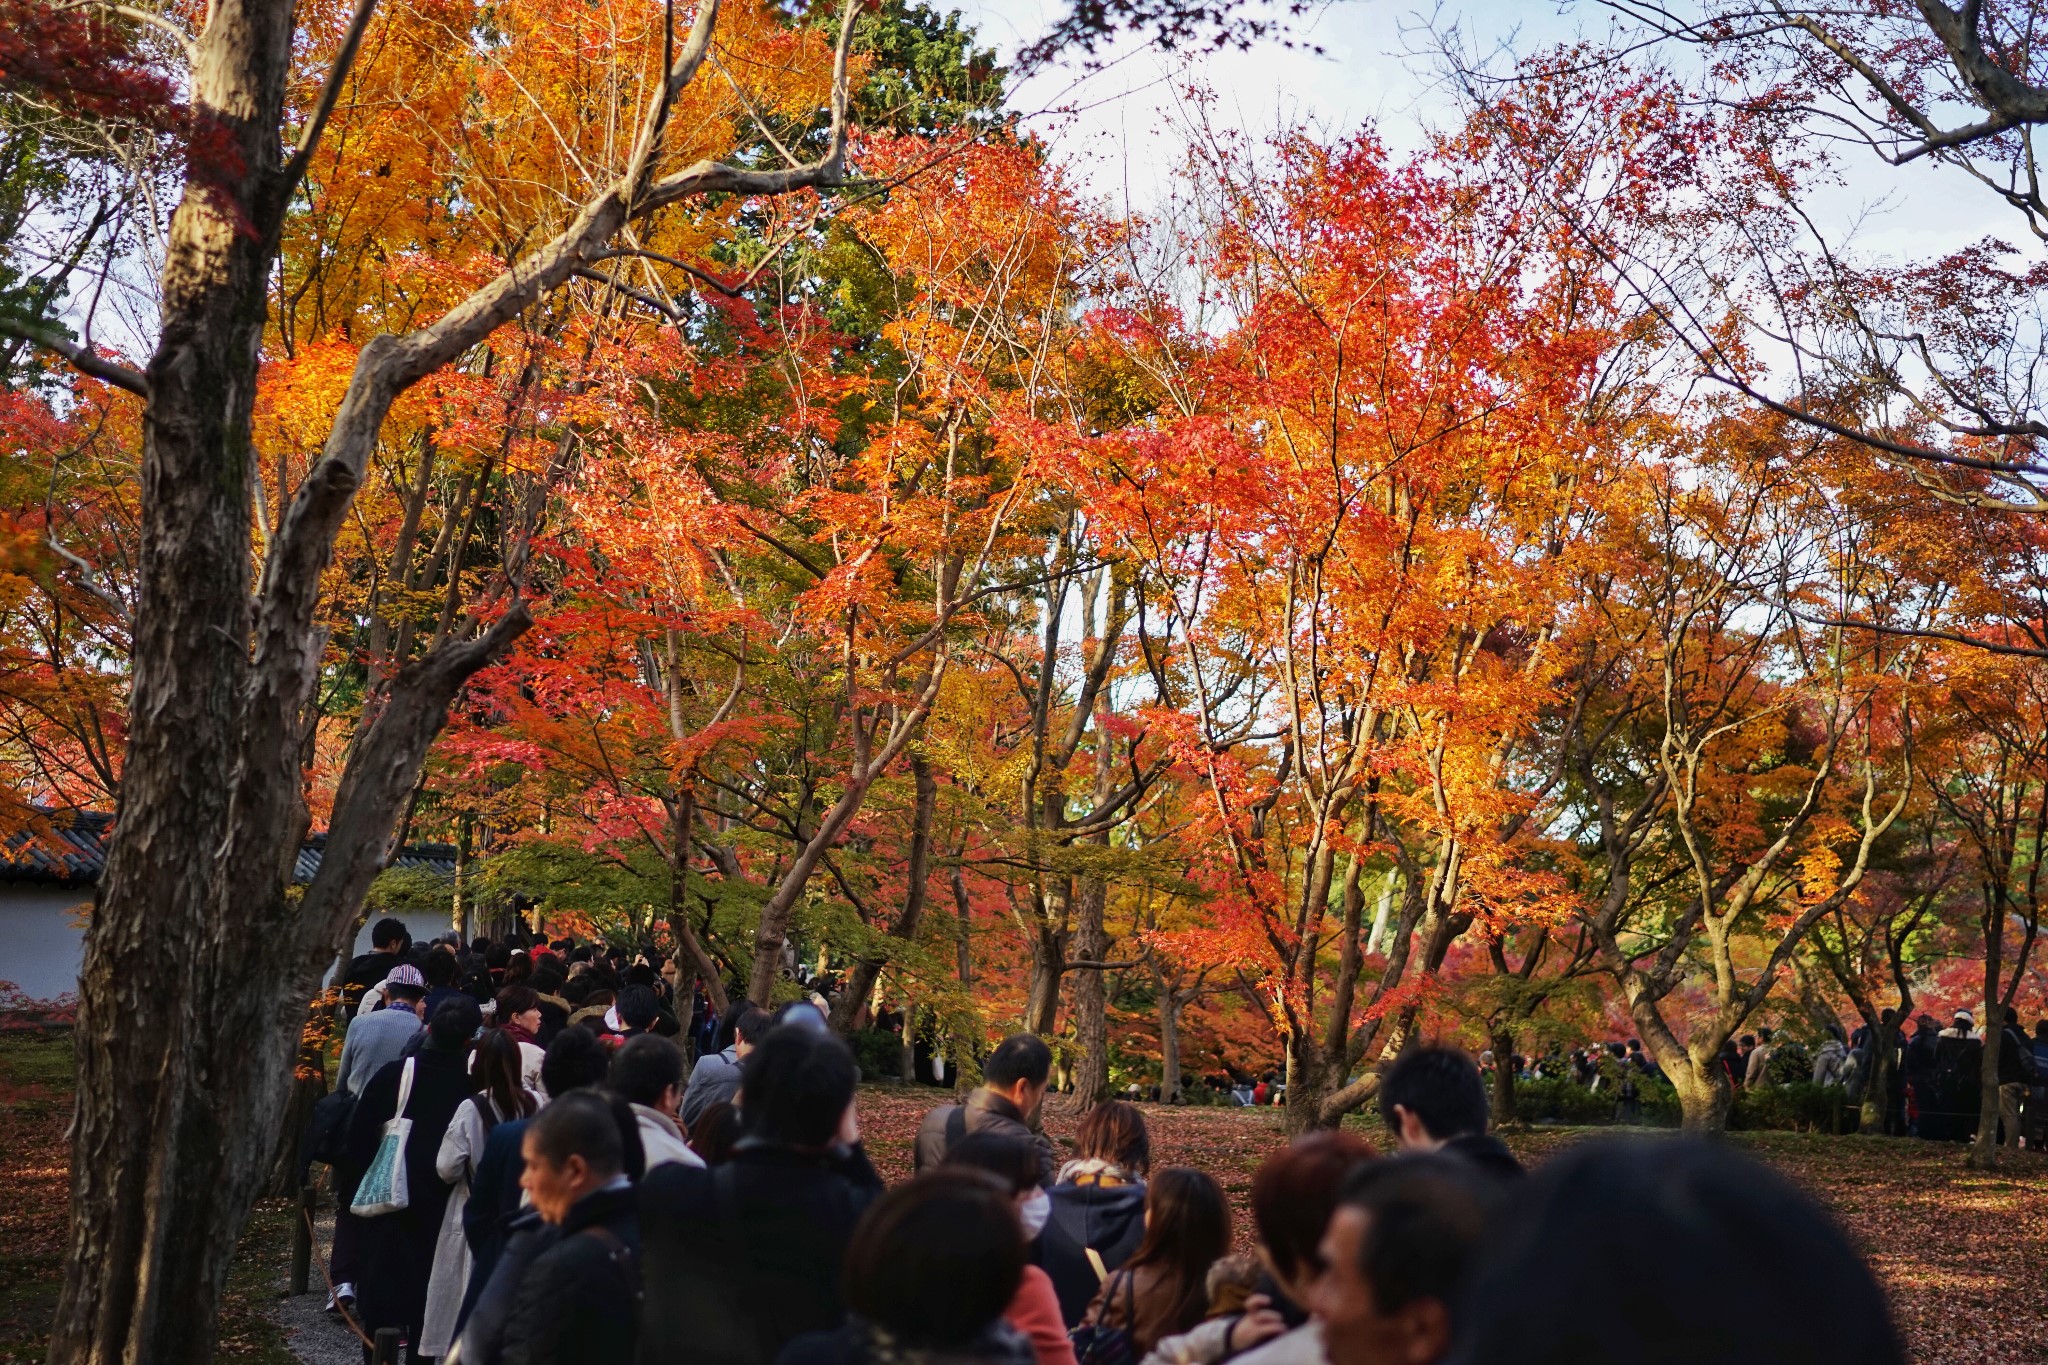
316	1336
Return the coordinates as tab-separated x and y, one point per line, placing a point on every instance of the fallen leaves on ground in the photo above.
1954	1248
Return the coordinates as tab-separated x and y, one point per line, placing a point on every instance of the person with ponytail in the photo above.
501	1097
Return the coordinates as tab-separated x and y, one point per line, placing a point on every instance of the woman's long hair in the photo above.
1187	1226
1115	1131
498	1078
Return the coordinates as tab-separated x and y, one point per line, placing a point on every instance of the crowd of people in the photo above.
614	1203
1933	1083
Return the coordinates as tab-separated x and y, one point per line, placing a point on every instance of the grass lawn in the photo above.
35	1106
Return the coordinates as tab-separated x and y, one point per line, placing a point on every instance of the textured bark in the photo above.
1091	996
1048	967
177	1120
903	927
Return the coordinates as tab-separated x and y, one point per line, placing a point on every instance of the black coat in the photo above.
855	1345
365	971
397	1255
578	1299
1488	1153
741	1258
1110	1218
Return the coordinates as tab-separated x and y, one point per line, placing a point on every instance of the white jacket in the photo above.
662	1140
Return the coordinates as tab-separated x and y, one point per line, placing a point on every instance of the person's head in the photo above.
1431	1095
1714	1259
1965	1020
649	1071
1019	1070
1887	1015
2041	1028
1187	1226
1635	1045
572	1147
1926	1023
796	1089
389	935
548	977
801	1014
1748	1041
728	1023
715	1132
2012	1016
440	968
498	1074
1012	1160
1115	1132
935	1261
1395	1257
749	1027
1292	1197
404	995
1764	1034
519	1004
638	1009
576	991
576	1060
455	1022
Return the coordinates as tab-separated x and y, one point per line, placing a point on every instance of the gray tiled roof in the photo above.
70	849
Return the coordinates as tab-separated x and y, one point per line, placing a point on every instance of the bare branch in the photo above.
83	358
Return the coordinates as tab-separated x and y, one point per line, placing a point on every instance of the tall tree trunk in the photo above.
1048	966
1704	1095
1091	996
1169	1042
1503	1045
459	913
163	1166
1984	1151
853	1001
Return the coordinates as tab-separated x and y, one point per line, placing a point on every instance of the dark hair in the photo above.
496	955
1294	1192
751	1023
795	1086
518	968
645	1067
1115	1131
454	1023
640	974
1427	1214
579	1124
1013	1160
389	930
637	1007
935	1261
715	1132
1019	1057
1746	1269
498	1074
403	990
516	999
1187	1226
576	990
728	1022
576	1060
548	977
441	968
1441	1087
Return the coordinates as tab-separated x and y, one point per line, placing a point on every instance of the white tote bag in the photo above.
382	1188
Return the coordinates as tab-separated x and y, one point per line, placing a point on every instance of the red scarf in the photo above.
516	1031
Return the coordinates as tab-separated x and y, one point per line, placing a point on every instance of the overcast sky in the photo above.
1118	125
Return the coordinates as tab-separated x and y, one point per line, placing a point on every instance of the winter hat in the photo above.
1967	1017
405	974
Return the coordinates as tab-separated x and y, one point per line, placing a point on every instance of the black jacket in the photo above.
578	1299
1110	1218
743	1257
1488	1153
365	971
984	1112
856	1345
2015	1057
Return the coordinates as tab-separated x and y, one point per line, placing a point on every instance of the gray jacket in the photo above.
373	1039
716	1077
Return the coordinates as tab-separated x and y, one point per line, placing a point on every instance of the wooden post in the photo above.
302	1238
386	1351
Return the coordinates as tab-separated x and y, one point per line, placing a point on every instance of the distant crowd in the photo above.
543	1157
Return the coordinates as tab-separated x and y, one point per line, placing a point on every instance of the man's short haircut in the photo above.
404	990
1441	1087
548	976
441	968
752	1024
576	1060
795	1086
638	1007
1295	1190
579	1124
645	1067
1427	1217
1019	1057
389	930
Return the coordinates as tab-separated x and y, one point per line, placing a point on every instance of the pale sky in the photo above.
1117	126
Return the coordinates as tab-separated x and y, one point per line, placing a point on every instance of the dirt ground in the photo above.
1960	1252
